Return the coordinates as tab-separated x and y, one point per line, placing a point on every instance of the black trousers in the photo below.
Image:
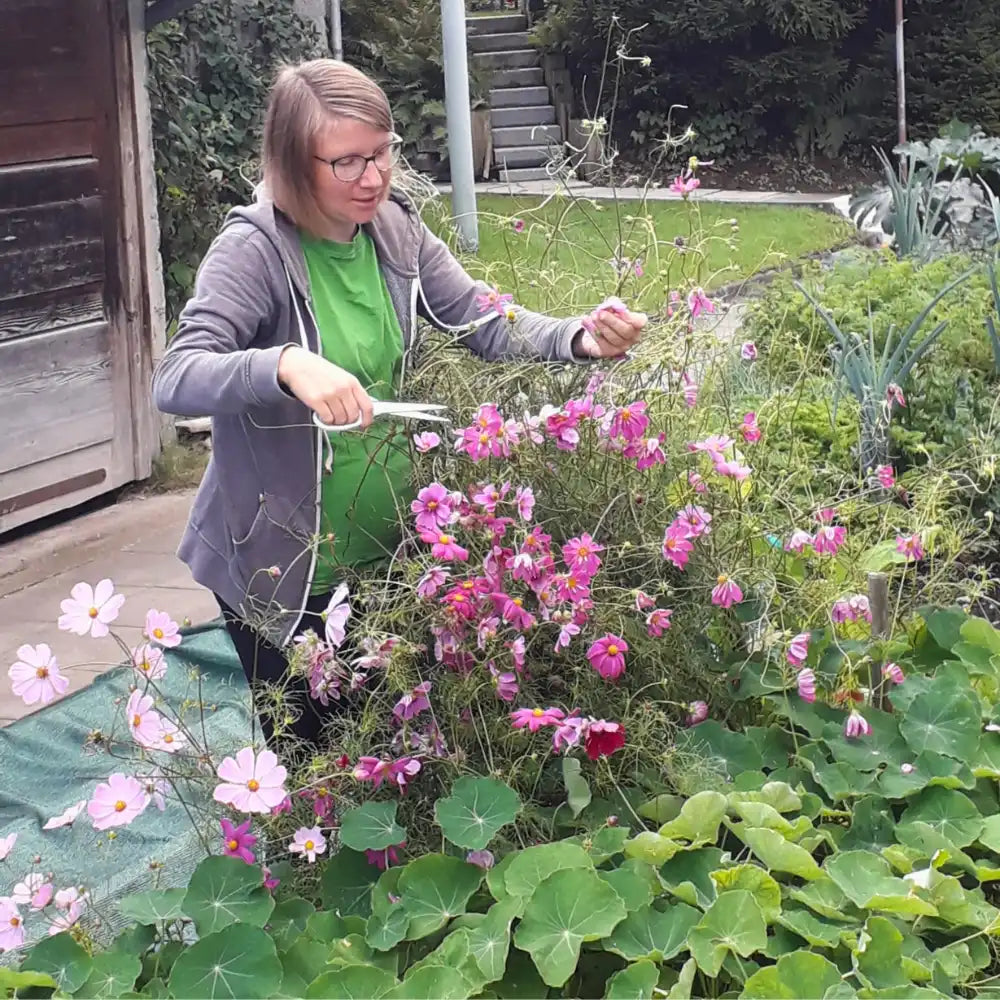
263	662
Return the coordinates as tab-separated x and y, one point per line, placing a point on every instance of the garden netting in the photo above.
47	765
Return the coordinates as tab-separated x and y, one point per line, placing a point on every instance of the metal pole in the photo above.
458	108
336	34
900	74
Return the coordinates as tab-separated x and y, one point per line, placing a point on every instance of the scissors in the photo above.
402	411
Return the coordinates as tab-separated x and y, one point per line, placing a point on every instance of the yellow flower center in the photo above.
15	921
467	584
444	539
233	844
119	806
537	713
42	672
571	582
484	439
137	720
93	612
517	601
500	432
310	845
626	413
723	579
530	540
583	551
432	504
146	666
157	633
168	738
612	650
253	784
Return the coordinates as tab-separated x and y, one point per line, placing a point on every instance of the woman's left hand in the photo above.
614	333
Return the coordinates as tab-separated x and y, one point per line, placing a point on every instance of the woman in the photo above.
307	303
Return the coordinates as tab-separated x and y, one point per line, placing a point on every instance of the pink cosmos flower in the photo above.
505	683
807	685
630	422
371	769
308	842
143	722
517	225
829	538
161	629
515	613
65	818
798	649
7	844
658	621
697	483
647	452
690	387
251	783
643	602
694	520
683	186
42	896
860	607
750	431
426	441
148	661
910	546
413	703
90	609
237	840
517	652
567	629
525	501
731	468
799	541
157	788
402	770
676	548
429	584
433	507
715	445
270	883
580	555
11	926
856	725
488	496
698	712
568	733
335	617
726	592
748	352
26	889
841	612
611	304
444	546
893	394
893	672
117	801
493	300
886	476
535	718
698	302
35	675
603	738
383	859
481	859
607	656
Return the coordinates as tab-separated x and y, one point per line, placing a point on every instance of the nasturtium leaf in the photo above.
533	865
301	964
949	812
635	881
778	854
979	632
733	923
569	907
944	721
497	875
353	949
521	980
989	836
111	975
662	808
780	941
710	739
431	982
925	769
699	819
681	990
688	875
810	717
351	982
325	925
815	930
134	940
866	880
635	982
371	826
882	746
658	935
435	888
748	781
879	954
760	814
239	961
801	975
986	761
872	826
11	980
578	794
453	954
945	625
154	906
63	959
775	745
841	781
347	881
778	795
224	890
756	881
605	843
476	810
489	941
388	922
826	898
289	920
652	848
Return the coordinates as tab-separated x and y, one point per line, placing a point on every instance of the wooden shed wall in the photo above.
76	327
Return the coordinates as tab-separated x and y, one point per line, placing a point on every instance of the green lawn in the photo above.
562	259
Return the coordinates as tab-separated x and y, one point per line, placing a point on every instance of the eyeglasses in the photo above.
352	168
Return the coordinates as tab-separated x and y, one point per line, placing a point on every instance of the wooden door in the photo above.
66	428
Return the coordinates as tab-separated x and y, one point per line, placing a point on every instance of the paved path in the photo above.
133	544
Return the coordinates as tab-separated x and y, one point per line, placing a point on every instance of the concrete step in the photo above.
521	156
514	175
519	97
531	77
515	59
506	42
526	135
497	24
539	114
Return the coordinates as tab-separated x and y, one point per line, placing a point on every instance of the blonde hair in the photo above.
302	99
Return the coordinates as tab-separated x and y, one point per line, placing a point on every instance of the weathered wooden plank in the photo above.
23	144
47	268
32	314
46	92
25	185
56	395
77	220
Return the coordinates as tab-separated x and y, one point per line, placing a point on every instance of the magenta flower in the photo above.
630	422
401	771
643	602
7	843
444	546
161	629
237	840
433	507
148	661
493	299
429	584
517	225
284	806
698	302
383	859
750	431
603	738
726	592
321	798
698	713
117	801
807	685
829	538
798	650
886	476
658	621
607	656
481	859
35	676
683	186
524	498
90	610
893	672
371	769
841	612
515	613
748	352
270	883
731	468
505	683
715	445
338	610
426	441
580	555
697	483
413	702
694	520
910	546
676	548
856	725
690	388
535	718
567	629
308	841
251	783
647	452
893	394
799	541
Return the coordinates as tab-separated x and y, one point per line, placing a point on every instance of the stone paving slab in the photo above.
131	542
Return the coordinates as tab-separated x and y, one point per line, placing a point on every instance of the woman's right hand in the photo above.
334	394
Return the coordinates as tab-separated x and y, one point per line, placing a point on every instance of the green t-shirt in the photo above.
370	478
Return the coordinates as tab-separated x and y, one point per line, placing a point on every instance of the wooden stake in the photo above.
878	604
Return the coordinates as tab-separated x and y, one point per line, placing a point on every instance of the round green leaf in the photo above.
652	848
569	907
352	982
880	954
949	812
699	819
578	794
779	854
489	941
432	982
476	809
944	721
372	827
883	745
238	961
733	923
799	975
223	891
756	881
530	867
347	882
818	932
658	935
866	881
112	974
636	982
11	980
155	906
435	888
63	959
635	881
289	920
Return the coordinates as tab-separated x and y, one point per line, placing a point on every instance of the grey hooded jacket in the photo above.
249	536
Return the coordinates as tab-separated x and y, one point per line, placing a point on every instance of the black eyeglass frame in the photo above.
393	147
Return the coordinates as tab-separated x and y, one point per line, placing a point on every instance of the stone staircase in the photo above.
522	116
